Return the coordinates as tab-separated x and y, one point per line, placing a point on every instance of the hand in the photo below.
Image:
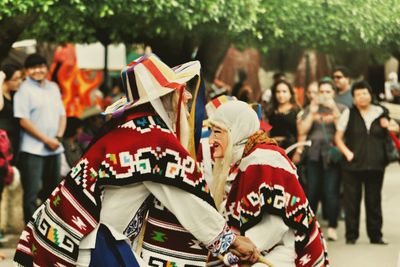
329	103
384	122
246	249
349	156
296	157
328	118
52	143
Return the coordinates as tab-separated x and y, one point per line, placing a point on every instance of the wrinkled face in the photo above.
15	81
219	141
362	98
37	73
341	82
282	93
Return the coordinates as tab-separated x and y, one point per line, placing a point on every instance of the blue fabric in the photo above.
200	113
43	106
110	252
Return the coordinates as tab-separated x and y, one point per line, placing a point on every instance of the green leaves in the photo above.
268	24
328	24
9	8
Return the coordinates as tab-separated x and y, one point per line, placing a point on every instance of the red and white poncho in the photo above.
265	183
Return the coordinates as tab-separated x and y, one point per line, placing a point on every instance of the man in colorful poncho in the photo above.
256	187
101	204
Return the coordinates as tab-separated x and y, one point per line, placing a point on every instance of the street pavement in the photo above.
362	254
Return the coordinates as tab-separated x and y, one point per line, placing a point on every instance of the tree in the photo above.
177	28
345	29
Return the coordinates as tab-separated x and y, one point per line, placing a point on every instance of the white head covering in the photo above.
240	120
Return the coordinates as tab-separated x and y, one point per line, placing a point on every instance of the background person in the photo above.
10	81
361	134
282	114
318	123
341	79
41	114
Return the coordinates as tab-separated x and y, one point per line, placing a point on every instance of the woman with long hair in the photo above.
282	114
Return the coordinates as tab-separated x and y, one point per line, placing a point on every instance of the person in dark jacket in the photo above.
360	136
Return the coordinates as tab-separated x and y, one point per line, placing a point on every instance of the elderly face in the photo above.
219	141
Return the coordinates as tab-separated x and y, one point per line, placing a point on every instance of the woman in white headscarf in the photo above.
255	186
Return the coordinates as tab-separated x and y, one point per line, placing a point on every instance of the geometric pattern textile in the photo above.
165	240
139	149
265	182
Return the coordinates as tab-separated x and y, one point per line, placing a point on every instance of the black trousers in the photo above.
353	182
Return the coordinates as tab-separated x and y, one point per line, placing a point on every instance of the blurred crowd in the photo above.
353	138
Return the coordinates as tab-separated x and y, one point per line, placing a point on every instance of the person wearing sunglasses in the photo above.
341	79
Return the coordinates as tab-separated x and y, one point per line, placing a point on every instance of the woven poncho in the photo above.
142	148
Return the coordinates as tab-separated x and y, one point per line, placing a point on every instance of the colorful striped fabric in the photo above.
148	78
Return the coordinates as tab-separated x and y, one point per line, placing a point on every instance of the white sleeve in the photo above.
195	215
273	235
268	232
341	124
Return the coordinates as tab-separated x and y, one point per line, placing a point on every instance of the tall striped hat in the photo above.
147	78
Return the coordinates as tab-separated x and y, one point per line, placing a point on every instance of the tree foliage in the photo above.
331	26
129	20
268	24
327	24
